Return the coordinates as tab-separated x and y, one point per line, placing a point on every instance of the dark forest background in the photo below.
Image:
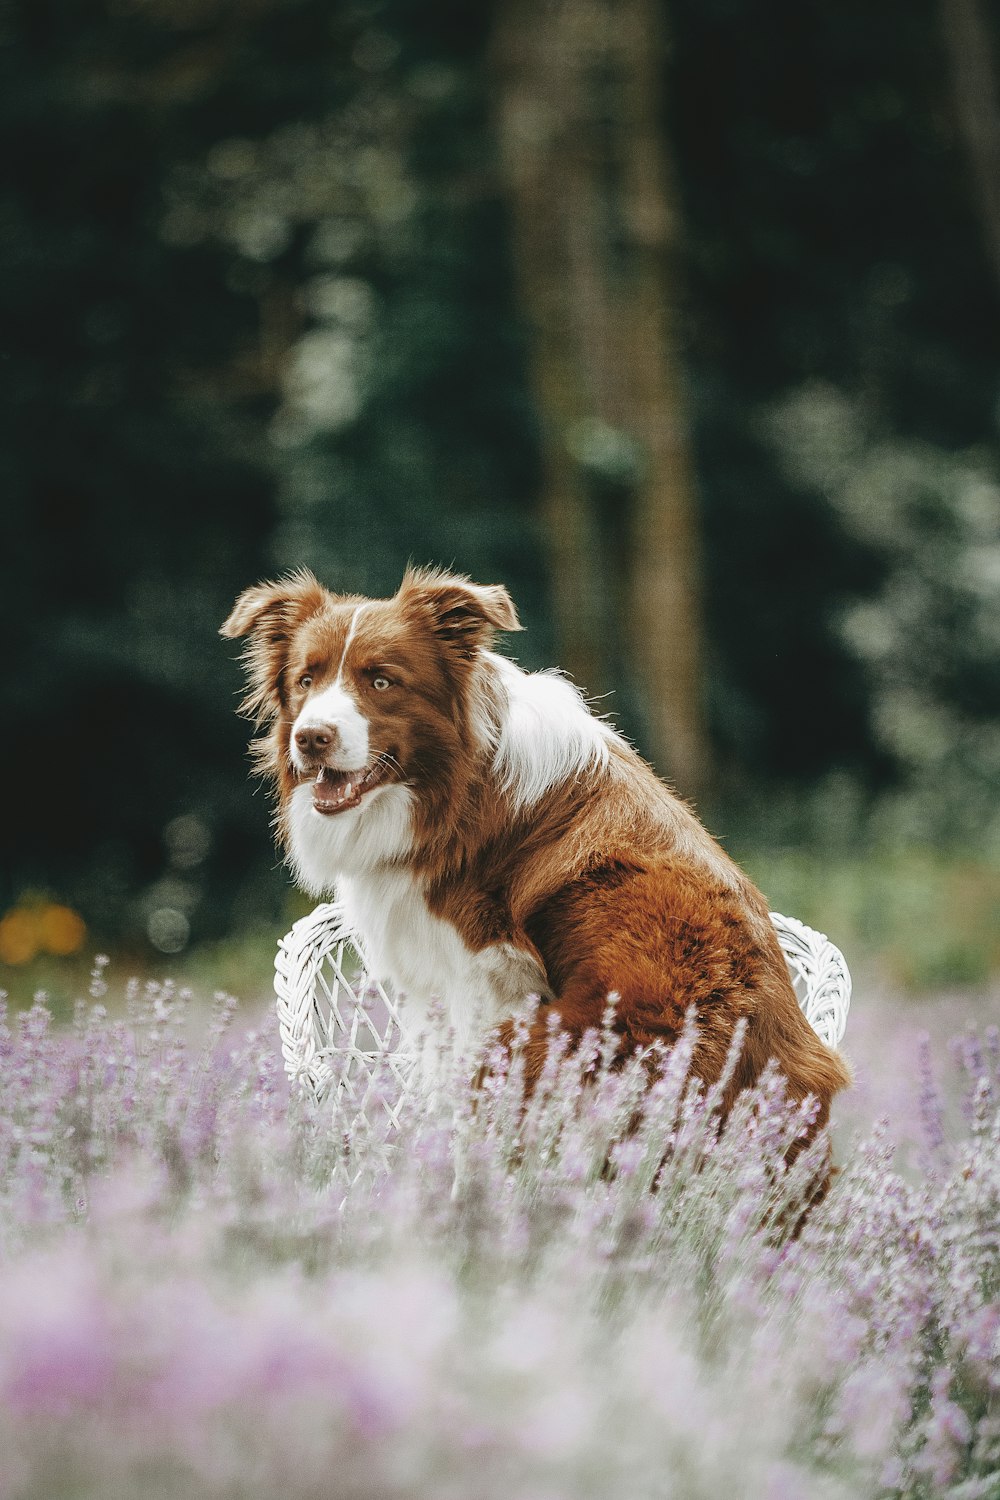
680	318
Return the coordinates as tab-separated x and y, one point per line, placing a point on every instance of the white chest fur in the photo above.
362	839
426	959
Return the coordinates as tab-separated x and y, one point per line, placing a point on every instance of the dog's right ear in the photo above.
268	613
292	597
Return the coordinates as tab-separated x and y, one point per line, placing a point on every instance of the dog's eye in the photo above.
305	681
380	684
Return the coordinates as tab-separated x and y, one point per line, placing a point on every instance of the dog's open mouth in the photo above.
338	791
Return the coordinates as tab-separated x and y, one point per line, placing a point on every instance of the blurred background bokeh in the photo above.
679	317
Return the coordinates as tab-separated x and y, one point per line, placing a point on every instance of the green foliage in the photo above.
137	486
832	237
921	919
928	639
258	311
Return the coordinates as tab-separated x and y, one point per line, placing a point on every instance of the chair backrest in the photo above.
340	1029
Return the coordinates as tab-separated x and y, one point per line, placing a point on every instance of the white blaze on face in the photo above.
335	707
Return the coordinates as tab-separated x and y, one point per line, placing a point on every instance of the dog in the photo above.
490	838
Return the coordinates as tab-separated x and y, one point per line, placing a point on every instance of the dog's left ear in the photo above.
464	615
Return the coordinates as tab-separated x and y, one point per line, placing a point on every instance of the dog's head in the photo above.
363	695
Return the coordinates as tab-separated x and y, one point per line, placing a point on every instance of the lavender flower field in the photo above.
210	1287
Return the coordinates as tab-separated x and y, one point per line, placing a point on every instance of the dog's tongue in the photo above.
333	788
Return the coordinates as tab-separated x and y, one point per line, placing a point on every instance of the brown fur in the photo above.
610	882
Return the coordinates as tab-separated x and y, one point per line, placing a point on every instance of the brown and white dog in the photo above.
489	838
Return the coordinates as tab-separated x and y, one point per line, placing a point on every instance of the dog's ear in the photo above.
292	597
268	614
464	616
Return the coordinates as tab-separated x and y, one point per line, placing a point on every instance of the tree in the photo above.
577	96
970	45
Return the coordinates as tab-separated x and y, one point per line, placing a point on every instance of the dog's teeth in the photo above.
347	789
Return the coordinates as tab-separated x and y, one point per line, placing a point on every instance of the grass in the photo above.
921	918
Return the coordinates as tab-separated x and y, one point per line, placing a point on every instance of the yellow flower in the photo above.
61	930
19	937
40	928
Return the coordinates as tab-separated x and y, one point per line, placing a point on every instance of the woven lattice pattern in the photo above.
820	975
341	1031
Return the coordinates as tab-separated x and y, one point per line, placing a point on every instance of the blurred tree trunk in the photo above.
588	181
970	43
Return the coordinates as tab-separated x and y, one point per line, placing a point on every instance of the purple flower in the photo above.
591	1290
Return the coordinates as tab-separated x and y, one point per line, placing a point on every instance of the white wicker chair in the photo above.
341	1033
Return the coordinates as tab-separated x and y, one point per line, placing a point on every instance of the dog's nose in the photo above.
316	739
